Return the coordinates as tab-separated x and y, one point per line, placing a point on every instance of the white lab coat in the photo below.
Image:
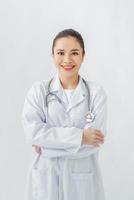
66	169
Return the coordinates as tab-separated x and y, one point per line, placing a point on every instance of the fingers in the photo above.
37	149
99	133
97	137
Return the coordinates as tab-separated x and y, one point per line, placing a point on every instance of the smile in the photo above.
68	67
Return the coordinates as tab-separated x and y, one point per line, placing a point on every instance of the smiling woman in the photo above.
65	142
68	54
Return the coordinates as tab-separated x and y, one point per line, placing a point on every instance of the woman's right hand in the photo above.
93	136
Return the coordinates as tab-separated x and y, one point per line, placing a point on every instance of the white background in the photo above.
27	29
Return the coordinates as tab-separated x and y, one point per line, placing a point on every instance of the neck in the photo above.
69	82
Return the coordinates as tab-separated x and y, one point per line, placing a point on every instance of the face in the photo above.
68	56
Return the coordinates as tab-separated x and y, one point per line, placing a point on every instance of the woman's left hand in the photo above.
37	148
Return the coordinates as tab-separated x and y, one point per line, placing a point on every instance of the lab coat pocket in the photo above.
39	183
82	184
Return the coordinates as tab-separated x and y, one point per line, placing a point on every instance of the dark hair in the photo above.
67	33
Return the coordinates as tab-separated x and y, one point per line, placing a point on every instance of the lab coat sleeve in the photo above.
99	108
37	131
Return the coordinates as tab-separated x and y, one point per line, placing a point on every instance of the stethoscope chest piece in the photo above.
90	117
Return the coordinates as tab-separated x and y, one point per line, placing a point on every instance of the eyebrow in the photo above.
71	50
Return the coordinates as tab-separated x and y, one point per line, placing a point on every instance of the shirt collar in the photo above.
78	96
57	86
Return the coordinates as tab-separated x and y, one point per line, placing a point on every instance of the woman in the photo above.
66	140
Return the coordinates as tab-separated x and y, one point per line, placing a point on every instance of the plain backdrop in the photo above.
27	29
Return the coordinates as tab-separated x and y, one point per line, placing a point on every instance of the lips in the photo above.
68	67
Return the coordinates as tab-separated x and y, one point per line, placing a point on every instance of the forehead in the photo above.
67	43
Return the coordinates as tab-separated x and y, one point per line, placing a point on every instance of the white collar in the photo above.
79	94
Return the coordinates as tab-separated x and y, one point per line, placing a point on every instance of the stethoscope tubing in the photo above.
90	116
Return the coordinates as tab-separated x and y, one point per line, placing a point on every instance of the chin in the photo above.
67	74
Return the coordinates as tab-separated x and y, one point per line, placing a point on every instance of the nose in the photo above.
67	59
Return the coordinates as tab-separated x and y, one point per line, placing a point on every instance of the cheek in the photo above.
78	61
57	60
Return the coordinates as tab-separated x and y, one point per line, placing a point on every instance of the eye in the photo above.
60	53
75	53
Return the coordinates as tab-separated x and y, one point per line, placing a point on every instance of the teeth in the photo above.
69	67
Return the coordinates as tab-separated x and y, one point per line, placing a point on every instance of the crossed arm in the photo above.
91	136
38	134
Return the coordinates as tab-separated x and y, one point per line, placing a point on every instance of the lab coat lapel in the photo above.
78	95
57	88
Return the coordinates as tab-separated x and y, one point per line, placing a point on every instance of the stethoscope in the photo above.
89	116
